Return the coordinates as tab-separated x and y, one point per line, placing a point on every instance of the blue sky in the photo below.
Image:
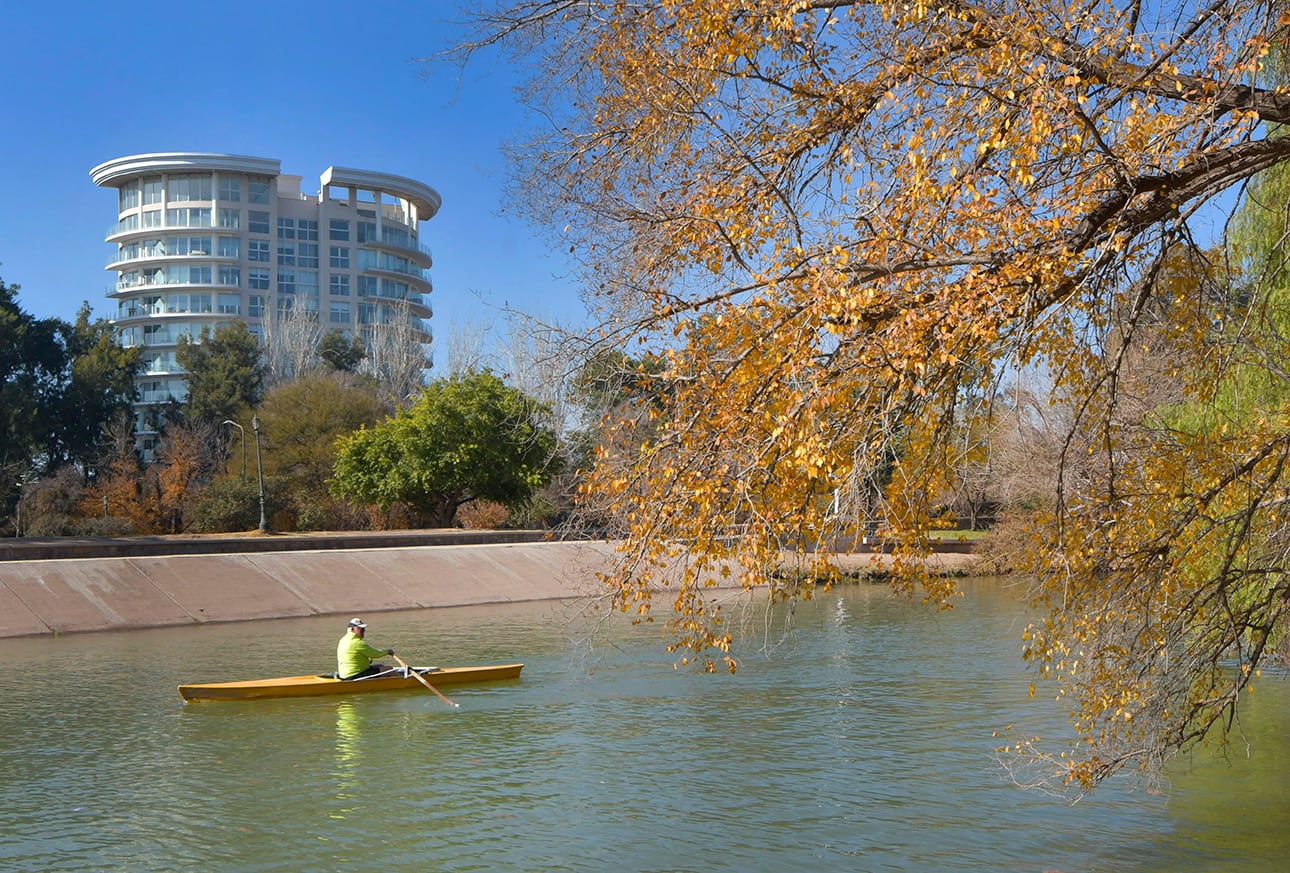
312	85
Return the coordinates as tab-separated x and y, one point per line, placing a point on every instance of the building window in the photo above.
183	245
395	290
307	282
152	192
185	189
366	286
255	304
257	250
257	280
307	254
129	198
399	237
340	313
188	217
184	274
230	304
338	229
189	303
152	392
339	259
230	218
367	231
230	247
286	228
152	218
230	190
307	229
230	276
257	222
286	254
286	281
257	191
339	286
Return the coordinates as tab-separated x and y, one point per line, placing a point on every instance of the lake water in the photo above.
860	740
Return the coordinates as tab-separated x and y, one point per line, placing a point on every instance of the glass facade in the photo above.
201	239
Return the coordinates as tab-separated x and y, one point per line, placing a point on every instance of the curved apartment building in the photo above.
203	239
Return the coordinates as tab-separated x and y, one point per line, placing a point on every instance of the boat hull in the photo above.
319	686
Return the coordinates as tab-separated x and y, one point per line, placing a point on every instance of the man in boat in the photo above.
354	654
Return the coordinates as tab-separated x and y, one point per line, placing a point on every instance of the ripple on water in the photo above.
863	743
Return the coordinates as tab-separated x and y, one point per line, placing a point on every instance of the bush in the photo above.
228	504
537	513
105	527
50	524
482	515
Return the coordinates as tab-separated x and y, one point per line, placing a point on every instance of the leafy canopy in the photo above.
465	437
59	385
838	222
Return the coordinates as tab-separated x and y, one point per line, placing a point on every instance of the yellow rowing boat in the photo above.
316	686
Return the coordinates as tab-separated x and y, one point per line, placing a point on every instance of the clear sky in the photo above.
309	84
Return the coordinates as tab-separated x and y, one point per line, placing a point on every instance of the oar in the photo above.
423	681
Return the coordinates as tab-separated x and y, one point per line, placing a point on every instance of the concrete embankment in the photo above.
71	595
63	586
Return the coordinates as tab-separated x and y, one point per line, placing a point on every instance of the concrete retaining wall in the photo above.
60	596
62	586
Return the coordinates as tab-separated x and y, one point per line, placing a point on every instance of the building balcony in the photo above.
121	289
118	234
400	243
118	263
417	280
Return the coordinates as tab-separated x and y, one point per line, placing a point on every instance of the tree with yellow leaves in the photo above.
843	223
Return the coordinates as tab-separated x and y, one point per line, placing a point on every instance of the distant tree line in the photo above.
343	436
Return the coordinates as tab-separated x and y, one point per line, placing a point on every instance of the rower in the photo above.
354	654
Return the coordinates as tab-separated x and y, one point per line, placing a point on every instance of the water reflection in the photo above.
860	739
349	756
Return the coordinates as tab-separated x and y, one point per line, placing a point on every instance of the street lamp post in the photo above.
259	470
241	430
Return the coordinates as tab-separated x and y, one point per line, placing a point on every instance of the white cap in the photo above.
356	622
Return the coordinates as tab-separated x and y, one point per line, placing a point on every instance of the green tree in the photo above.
465	437
225	372
232	503
33	361
342	351
301	421
60	384
101	385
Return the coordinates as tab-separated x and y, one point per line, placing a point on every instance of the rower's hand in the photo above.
389	652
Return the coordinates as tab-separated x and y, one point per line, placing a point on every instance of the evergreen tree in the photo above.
225	372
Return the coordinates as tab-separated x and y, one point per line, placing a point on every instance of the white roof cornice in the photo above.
427	199
111	173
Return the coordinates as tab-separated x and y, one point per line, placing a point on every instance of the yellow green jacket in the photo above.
354	655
